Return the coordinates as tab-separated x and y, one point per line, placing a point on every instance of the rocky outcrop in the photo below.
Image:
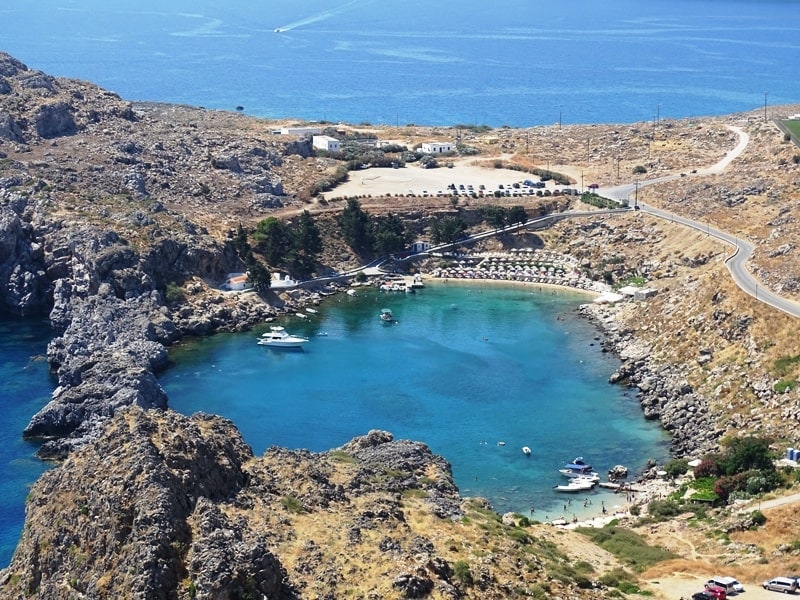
54	120
171	507
662	389
167	506
137	515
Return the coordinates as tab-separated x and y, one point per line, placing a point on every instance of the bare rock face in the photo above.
135	516
54	120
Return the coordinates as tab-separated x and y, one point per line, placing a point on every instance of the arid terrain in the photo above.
105	205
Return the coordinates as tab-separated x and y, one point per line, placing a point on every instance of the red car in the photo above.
716	592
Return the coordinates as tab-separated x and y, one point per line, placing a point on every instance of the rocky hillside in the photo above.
164	506
103	206
107	206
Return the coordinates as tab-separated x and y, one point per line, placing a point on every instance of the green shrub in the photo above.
628	546
677	467
174	293
663	509
292	504
462	573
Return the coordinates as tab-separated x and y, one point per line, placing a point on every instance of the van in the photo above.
729	584
781	584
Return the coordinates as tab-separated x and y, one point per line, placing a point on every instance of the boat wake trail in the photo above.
322	16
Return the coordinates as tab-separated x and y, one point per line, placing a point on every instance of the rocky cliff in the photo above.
164	507
103	206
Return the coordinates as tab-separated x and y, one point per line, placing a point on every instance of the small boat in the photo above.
311	311
577	467
387	316
526	451
278	337
301	315
574	486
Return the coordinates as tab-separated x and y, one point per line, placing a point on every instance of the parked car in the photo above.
704	595
717	592
730	584
787	585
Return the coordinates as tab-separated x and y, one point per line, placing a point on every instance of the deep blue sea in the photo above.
433	377
517	63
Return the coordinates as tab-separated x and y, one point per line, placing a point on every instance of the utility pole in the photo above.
658	117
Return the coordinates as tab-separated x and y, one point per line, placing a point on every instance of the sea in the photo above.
465	369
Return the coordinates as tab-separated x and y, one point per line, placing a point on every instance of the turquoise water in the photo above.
520	63
462	370
25	386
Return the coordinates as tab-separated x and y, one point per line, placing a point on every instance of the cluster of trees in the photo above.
370	235
746	468
500	216
295	246
292	246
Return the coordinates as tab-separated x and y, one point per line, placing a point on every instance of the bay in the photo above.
476	373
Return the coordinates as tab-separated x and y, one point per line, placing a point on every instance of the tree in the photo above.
447	229
259	275
307	236
240	243
747	453
274	239
389	235
495	216
517	214
355	225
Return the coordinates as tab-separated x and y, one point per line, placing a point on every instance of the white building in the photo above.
236	282
326	142
301	130
436	147
420	246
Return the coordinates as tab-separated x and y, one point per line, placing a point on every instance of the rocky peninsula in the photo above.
119	220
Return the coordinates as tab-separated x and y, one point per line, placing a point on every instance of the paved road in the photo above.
742	249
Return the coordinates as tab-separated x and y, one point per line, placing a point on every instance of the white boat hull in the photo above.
574	487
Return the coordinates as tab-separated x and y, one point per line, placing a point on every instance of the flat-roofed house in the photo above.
436	147
300	130
326	142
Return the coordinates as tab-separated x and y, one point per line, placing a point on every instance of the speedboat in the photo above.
387	316
278	337
574	486
577	467
526	451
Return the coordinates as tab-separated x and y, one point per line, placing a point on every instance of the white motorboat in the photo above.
574	486
278	337
387	316
526	451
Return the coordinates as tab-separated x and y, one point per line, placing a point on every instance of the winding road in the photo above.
743	250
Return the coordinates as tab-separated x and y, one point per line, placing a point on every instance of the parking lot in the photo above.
467	179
